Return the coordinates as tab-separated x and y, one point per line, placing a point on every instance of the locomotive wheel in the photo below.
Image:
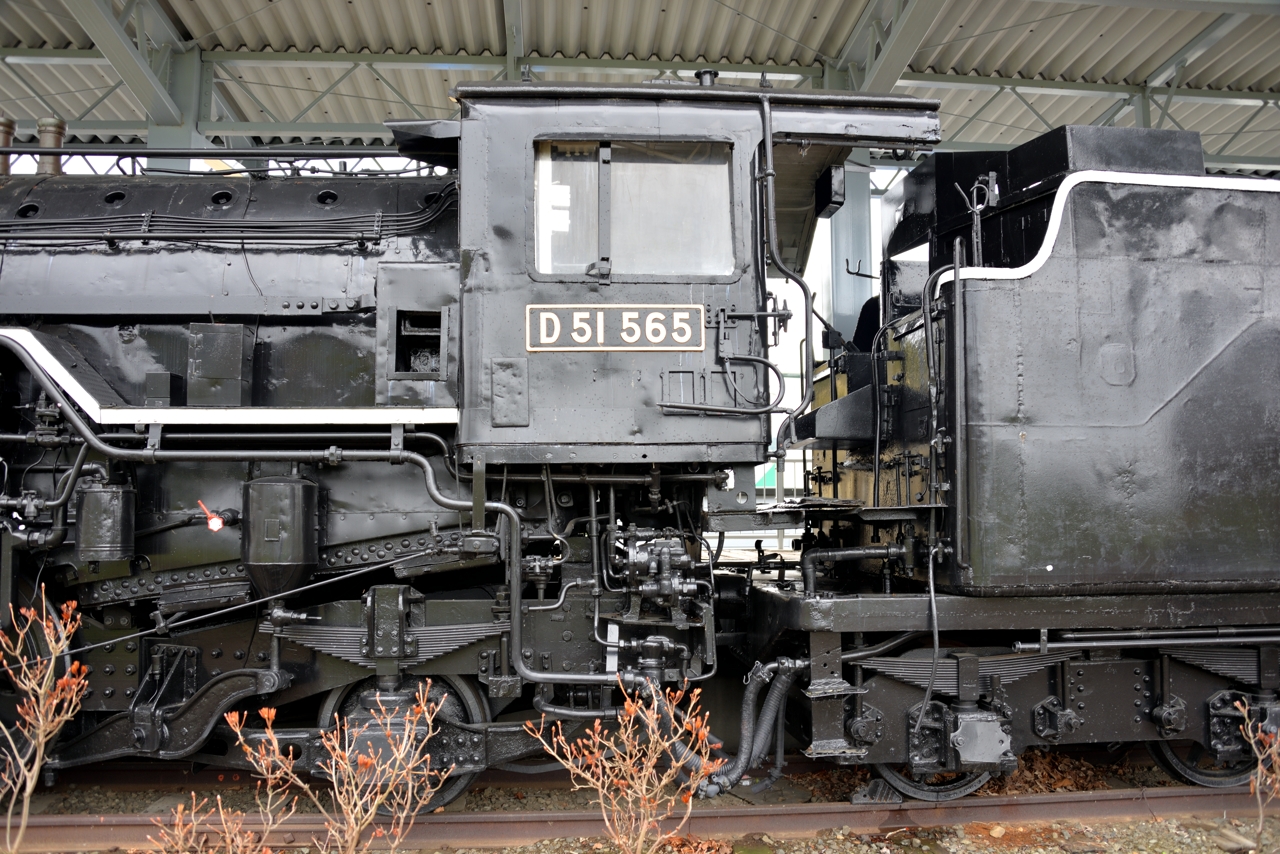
1191	763
463	703
932	787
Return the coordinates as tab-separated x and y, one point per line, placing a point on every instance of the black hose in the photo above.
768	714
728	777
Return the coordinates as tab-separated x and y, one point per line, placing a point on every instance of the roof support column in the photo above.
185	86
851	246
513	17
1142	111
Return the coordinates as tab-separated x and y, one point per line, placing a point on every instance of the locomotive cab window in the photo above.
633	208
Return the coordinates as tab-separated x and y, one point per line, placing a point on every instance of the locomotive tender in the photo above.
308	441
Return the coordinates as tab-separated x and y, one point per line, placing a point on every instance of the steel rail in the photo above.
492	830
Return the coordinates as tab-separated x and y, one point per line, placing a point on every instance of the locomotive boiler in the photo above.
310	440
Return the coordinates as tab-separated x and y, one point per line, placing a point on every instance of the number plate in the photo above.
560	328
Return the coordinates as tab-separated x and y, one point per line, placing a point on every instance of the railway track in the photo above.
67	833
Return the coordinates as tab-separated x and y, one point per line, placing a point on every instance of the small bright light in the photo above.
215	523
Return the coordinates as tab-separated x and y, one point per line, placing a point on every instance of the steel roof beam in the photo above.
292	59
161	29
490	65
286	130
926	80
1221	7
885	38
136	72
1170	69
27	127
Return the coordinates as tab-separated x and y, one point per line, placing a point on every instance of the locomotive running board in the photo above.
104	406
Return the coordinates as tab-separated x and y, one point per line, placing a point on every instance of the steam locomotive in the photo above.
310	440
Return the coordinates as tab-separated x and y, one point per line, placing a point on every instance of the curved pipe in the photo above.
882	647
572	714
734	410
771	233
56	534
810	560
564	591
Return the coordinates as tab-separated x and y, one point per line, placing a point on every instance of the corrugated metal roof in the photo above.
1002	38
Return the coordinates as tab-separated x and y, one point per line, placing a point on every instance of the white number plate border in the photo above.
533	331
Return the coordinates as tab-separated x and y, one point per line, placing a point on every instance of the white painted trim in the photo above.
182	416
1255	185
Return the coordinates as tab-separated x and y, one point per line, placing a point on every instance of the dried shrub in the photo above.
1265	742
378	769
201	829
30	653
633	766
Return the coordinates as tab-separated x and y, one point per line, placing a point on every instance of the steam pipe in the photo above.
809	561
